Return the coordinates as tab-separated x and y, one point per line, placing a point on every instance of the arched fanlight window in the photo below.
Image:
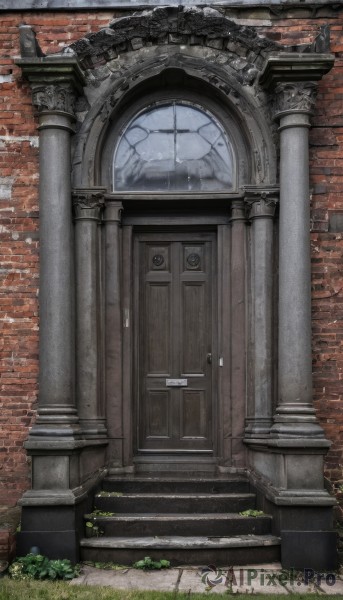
173	147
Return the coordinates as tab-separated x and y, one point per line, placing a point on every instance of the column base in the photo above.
93	428
56	421
258	427
296	421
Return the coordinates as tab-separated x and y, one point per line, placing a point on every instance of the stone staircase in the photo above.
189	521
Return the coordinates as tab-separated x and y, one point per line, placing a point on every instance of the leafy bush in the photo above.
148	564
36	566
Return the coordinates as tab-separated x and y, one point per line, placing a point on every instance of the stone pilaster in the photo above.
238	349
113	330
261	204
88	206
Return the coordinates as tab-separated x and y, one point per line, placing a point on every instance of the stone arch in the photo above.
187	26
245	106
133	53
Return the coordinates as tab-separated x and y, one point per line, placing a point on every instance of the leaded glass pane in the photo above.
175	147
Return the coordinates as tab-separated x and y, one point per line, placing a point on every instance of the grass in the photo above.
59	590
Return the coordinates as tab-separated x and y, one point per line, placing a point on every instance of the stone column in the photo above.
55	81
295	415
291	80
113	331
261	203
88	204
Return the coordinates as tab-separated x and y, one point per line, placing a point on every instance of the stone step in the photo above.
169	463
157	524
174	503
183	550
172	485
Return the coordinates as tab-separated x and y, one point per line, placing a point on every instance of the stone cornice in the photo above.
294	67
55	81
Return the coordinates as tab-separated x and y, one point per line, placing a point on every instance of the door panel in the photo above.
157	322
193	414
193	330
176	283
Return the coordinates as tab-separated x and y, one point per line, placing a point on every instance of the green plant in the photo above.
37	566
252	513
100	513
93	530
148	564
104	494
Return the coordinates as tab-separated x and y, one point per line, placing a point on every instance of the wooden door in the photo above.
175	289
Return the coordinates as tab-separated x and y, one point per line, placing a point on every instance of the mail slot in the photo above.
176	382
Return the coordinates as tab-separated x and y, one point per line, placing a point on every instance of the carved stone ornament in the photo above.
261	202
295	97
88	198
262	207
88	203
54	97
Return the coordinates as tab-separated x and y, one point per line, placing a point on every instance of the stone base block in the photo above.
316	550
53	544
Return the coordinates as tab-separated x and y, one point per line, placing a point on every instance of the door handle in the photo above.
209	358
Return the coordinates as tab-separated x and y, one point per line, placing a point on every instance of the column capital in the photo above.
261	202
88	203
50	97
55	81
294	97
291	80
113	211
237	211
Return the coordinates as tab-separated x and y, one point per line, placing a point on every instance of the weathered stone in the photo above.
183	26
214	43
177	39
195	40
136	43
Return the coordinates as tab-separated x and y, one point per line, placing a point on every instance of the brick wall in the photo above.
19	228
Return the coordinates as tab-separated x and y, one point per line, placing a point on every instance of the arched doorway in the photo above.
176	160
116	235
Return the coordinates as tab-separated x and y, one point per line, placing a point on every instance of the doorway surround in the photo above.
84	423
